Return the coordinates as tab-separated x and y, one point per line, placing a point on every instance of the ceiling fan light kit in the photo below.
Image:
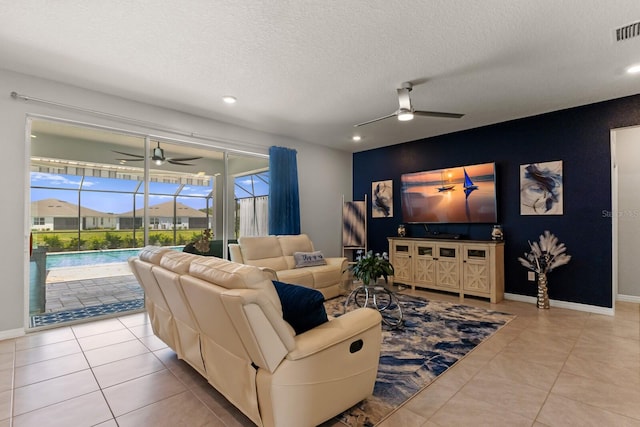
157	157
405	116
406	111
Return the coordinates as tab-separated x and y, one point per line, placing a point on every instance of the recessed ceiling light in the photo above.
634	69
229	99
356	138
33	136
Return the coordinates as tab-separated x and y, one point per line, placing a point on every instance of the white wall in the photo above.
324	174
627	156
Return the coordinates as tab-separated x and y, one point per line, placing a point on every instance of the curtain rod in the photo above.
150	125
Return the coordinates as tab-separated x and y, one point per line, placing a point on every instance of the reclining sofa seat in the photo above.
225	320
276	254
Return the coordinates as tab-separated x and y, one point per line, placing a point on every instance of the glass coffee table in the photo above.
379	297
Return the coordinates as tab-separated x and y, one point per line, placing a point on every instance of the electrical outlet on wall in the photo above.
531	276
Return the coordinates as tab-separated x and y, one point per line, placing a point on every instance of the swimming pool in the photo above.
78	259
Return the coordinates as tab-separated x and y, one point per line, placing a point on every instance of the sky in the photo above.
115	195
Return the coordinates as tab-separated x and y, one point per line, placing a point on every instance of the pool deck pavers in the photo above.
89	286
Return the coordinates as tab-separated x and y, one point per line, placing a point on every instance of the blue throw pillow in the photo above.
302	308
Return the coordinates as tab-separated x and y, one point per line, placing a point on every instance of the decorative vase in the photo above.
543	297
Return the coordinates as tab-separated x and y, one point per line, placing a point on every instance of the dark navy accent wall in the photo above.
580	137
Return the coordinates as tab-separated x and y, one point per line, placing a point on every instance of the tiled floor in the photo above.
552	367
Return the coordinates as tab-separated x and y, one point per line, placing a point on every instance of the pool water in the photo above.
78	259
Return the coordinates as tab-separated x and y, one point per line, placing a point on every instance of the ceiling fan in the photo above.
406	111
157	156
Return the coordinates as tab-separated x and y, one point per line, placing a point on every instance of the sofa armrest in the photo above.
335	331
271	272
235	253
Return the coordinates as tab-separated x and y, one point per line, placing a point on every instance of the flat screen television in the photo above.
459	195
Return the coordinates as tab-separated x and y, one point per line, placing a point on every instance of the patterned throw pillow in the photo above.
308	259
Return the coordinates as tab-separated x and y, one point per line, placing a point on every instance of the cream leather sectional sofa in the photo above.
277	253
226	320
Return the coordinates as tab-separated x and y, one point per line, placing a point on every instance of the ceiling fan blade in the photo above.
374	120
130	160
404	99
184	159
438	114
128	154
175	162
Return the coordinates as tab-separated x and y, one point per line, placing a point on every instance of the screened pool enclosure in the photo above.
95	190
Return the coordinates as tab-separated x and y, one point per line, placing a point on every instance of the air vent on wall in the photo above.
628	31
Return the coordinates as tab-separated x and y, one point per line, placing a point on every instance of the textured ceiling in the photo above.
310	70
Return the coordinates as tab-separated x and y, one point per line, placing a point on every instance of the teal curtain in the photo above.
284	198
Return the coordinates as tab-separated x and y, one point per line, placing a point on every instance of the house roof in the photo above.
165	210
311	70
59	208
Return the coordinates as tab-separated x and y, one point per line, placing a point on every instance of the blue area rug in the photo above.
433	337
83	313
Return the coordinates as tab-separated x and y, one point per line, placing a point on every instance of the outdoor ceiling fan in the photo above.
157	157
406	111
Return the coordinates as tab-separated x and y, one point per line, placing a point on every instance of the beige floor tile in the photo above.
8	346
100	356
432	398
463	410
153	343
614	327
514	397
179	410
219	405
7	360
102	340
613	398
607	372
97	327
519	370
6	379
48	369
53	391
181	369
559	411
46	352
110	423
135	319
6	404
86	410
127	369
143	391
403	418
622	352
144	330
51	336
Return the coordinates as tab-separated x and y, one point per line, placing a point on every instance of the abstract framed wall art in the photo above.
541	188
382	199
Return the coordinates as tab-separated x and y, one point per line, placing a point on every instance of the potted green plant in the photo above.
370	267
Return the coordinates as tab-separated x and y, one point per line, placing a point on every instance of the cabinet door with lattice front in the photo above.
476	269
401	261
424	269
447	266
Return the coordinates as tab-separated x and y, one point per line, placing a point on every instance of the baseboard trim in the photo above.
563	304
11	333
628	298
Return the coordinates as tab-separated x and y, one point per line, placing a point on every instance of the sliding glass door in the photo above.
98	196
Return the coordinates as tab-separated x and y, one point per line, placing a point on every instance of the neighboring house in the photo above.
54	214
161	217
